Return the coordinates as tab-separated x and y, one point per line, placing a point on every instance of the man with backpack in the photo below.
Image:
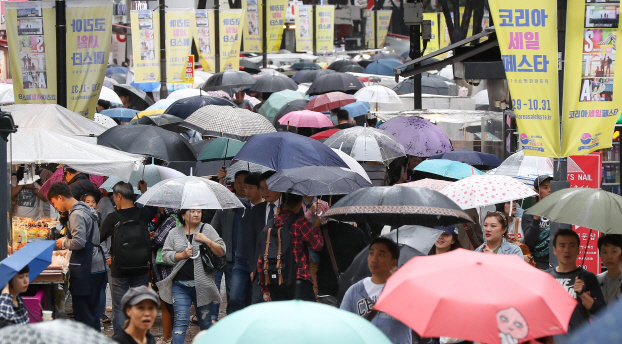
284	253
130	247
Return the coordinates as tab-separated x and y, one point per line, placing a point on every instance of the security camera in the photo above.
474	82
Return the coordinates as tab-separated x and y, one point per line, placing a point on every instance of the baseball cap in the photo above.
136	295
541	179
451	229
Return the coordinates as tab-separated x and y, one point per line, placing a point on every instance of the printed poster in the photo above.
231	25
382	22
325	20
146	45
180	28
304	28
204	37
370	38
252	26
276	20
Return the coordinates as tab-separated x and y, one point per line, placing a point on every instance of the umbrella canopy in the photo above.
603	328
367	144
352	164
306	119
151	174
192	92
383	55
294	105
276	101
377	94
148	140
470	157
53	332
185	107
341	82
109	82
591	208
273	83
358	108
147	113
249	67
447	168
147	86
245	166
120	114
227	121
119	78
313	75
161	120
525	167
480	190
305	65
330	101
383	67
221	149
430	84
503	289
398	206
190	193
161	104
104	120
268	71
109	95
341	63
228	81
432	184
264	324
299	74
284	150
59	177
37	255
419	137
352	69
116	70
323	135
138	98
317	181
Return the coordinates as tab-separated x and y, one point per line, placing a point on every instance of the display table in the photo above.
57	288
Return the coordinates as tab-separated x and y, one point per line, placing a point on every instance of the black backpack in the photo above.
131	246
279	264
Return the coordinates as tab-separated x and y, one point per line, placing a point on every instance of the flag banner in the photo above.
180	28
370	23
252	26
231	25
204	37
325	26
146	45
304	28
382	22
276	21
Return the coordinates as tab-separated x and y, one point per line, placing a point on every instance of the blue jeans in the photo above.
120	286
215	307
183	298
240	288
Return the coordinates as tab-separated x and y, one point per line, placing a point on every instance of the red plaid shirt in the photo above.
303	237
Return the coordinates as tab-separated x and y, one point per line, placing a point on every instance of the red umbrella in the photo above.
474	296
329	101
306	119
324	134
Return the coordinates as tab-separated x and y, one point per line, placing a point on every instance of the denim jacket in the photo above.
506	248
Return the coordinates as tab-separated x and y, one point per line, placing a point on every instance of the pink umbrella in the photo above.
59	177
481	190
306	119
428	183
329	101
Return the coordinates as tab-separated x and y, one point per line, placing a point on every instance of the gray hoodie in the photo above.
82	221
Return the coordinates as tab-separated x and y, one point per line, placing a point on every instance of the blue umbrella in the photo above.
37	255
447	168
299	74
116	70
284	150
604	328
161	104
382	67
120	114
470	157
147	86
357	108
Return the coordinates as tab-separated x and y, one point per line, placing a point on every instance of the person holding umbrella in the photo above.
536	228
495	232
12	308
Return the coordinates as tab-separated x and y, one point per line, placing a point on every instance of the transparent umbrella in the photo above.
190	193
378	94
241	165
525	167
367	144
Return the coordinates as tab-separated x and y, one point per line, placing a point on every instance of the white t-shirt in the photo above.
512	225
372	289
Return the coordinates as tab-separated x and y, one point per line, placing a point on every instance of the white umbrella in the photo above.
525	167
352	164
377	94
7	95
202	74
190	193
482	190
193	92
151	174
110	95
104	120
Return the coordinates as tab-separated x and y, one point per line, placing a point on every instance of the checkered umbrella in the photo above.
227	121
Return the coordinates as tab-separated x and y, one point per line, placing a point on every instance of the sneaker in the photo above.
106	319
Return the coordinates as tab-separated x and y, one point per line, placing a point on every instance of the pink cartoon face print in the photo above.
512	324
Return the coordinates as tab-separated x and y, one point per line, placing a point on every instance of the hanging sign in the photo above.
304	29
189	73
231	25
204	36
382	27
180	28
252	26
325	26
146	45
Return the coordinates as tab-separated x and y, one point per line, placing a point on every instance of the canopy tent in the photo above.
41	146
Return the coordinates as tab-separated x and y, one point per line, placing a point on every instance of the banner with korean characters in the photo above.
591	103
276	20
31	34
89	25
370	23
231	25
325	20
252	26
204	37
180	28
382	22
146	45
527	34
304	28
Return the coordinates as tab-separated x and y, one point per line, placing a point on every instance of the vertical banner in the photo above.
434	43
89	25
527	34
590	107
384	18
231	25
252	26
204	36
325	20
117	49
276	20
304	28
180	27
31	34
370	23
146	45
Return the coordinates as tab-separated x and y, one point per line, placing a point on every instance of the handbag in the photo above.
159	259
211	262
524	248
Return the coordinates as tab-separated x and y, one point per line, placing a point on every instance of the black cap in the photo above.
136	295
541	179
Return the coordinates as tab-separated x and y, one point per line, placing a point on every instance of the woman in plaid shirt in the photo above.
12	309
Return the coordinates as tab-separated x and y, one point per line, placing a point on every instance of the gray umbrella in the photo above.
311	76
59	331
227	121
229	81
139	100
430	84
245	166
273	83
317	181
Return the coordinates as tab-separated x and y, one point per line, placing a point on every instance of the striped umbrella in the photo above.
227	121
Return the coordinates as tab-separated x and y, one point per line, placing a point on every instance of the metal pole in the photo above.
375	28
264	32
163	88
217	35
61	54
415	52
4	205
314	29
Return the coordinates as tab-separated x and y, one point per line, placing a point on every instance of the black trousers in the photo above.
303	287
85	306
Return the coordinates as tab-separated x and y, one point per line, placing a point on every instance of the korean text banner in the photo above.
591	103
231	24
204	36
527	34
31	34
370	23
252	26
89	25
325	20
276	20
304	28
434	43
146	45
180	27
382	22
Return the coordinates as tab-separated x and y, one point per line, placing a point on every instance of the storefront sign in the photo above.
324	20
204	36
304	28
146	45
231	24
180	27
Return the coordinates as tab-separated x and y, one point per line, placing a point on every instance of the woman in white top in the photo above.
514	222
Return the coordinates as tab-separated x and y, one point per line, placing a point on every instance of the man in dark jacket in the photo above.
79	183
537	229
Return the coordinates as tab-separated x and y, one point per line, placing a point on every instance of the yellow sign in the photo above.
325	20
527	34
231	25
382	22
434	43
276	20
146	43
370	38
253	26
591	104
204	36
31	34
189	77
304	28
180	27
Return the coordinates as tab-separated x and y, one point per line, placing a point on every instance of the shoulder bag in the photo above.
211	262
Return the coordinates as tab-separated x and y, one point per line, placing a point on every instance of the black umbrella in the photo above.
249	67
365	63
317	181
299	74
187	106
313	75
164	121
148	140
430	84
351	68
139	100
337	82
398	206
229	81
273	83
305	65
294	105
381	56
340	63
413	241
120	78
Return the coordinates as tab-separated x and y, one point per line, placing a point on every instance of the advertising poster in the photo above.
325	36
146	45
384	19
180	28
370	22
304	28
117	49
204	37
252	26
231	25
589	110
31	34
434	43
276	20
527	34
